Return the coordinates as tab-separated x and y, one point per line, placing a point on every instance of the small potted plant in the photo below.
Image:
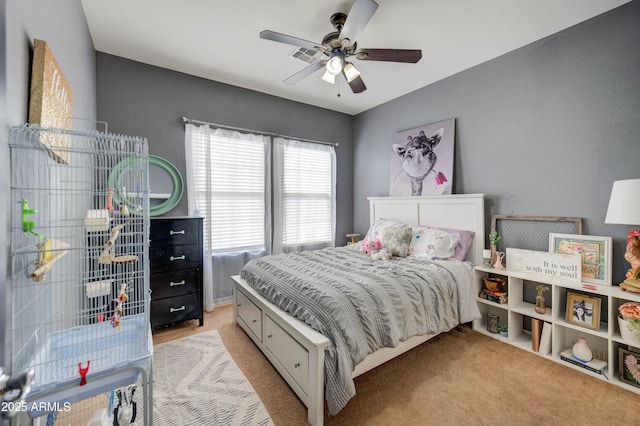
541	308
494	239
503	330
629	321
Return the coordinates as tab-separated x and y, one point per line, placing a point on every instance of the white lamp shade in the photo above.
624	204
328	77
351	72
334	65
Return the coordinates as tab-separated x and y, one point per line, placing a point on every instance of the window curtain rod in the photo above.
186	120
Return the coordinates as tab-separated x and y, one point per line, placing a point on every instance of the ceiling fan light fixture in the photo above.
351	72
328	77
334	65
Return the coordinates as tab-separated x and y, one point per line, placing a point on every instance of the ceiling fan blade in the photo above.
357	85
287	39
305	72
357	18
390	55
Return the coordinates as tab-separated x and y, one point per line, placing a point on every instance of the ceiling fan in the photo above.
338	46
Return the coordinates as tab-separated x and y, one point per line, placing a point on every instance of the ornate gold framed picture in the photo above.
51	101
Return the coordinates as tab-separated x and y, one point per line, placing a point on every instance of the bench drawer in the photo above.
250	314
293	357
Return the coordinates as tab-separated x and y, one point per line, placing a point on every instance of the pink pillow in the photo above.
465	239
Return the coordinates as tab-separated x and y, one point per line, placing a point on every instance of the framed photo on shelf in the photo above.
583	310
596	254
629	367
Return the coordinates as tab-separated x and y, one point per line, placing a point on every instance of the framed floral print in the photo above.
596	253
629	367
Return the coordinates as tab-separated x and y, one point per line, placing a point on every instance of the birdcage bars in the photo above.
79	249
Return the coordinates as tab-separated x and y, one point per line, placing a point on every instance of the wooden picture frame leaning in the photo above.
583	310
531	232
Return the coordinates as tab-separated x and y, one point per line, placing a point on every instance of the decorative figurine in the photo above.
632	255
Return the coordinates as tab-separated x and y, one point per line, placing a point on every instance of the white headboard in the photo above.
459	211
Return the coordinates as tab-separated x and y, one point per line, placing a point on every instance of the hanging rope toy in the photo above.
117	315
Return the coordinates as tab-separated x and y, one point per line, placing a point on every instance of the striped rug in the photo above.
196	382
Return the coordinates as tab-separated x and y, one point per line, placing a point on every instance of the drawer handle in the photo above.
183	257
269	336
172	284
296	365
254	321
172	232
181	308
239	304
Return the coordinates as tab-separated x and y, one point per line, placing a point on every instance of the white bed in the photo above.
297	351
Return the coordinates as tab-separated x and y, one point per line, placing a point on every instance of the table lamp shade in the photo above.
624	204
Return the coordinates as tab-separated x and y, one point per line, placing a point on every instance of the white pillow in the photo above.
432	243
394	236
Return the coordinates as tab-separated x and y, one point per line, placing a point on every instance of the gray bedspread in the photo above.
360	304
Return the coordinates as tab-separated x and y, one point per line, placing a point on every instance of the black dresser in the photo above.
175	263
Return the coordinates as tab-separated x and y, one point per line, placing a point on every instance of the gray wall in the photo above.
543	130
63	26
5	303
148	101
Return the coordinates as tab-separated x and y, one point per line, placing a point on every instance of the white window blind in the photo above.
305	194
229	176
231	179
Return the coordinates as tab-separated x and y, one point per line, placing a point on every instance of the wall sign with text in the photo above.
556	265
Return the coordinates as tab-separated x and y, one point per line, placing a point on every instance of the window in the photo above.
304	194
229	179
229	184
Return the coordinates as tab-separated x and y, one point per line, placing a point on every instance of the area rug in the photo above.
196	382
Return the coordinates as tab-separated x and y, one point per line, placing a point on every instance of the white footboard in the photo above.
294	349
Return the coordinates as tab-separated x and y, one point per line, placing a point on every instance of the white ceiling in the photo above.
218	39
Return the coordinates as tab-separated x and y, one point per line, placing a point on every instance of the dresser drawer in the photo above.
292	356
170	284
174	309
250	314
174	231
174	258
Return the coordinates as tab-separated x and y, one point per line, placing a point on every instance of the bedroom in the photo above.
543	130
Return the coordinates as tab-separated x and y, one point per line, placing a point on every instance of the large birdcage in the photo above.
79	278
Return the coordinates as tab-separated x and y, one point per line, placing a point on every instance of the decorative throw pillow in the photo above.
432	243
465	239
394	236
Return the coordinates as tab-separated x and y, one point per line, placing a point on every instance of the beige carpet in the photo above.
454	379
